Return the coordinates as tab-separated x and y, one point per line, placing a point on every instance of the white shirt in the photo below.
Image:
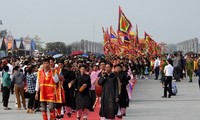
10	68
156	63
23	68
168	70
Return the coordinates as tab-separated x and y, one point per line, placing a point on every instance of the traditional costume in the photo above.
46	83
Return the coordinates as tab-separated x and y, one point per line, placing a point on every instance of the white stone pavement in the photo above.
147	103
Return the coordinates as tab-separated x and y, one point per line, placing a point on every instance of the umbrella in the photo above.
52	53
85	55
77	52
57	55
190	53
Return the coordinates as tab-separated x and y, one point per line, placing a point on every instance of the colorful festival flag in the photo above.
105	36
124	25
106	41
119	39
147	37
113	36
126	42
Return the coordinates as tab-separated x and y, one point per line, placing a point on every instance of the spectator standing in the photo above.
6	82
168	70
31	83
157	68
177	65
18	81
190	68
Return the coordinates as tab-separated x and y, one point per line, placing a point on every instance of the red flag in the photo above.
106	38
147	37
124	25
120	40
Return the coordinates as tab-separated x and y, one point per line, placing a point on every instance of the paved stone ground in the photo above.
147	103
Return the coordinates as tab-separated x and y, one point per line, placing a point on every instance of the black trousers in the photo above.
2	91
12	88
168	82
157	69
177	73
92	98
31	100
37	102
181	73
6	95
199	83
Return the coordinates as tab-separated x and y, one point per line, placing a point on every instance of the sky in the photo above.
169	21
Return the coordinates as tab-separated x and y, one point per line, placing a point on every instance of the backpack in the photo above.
174	88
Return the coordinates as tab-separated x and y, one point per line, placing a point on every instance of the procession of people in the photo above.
75	83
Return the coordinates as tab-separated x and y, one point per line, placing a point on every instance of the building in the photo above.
87	46
188	46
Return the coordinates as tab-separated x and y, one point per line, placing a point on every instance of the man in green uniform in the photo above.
190	67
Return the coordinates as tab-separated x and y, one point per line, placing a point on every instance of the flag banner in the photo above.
105	36
126	39
146	37
119	39
124	25
113	36
131	36
127	42
151	45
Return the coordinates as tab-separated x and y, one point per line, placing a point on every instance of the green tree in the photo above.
59	47
40	48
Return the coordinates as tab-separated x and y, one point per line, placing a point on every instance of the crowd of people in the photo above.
75	83
68	85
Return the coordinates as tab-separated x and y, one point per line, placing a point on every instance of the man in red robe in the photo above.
46	85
